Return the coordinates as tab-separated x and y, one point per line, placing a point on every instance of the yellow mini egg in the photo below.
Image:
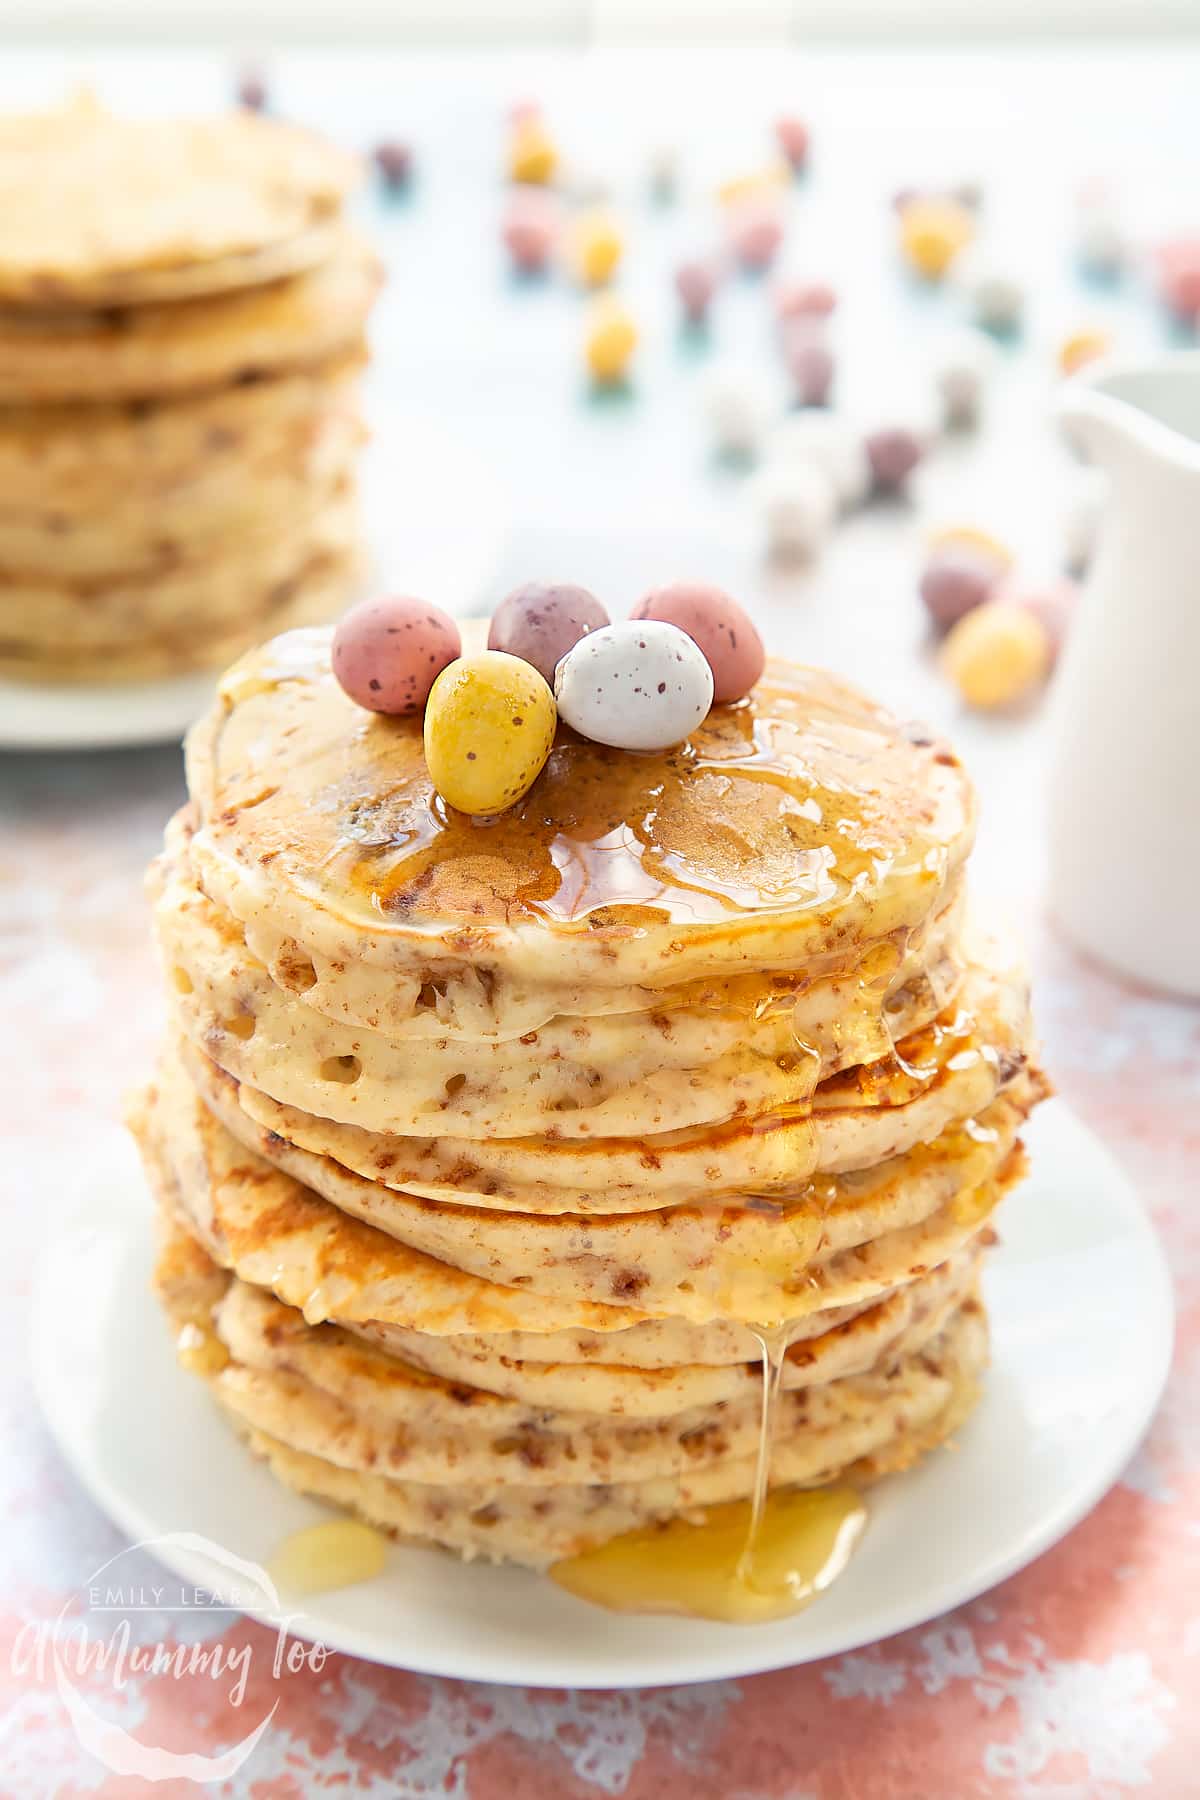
610	343
757	184
489	726
532	153
594	248
996	655
1082	347
932	232
974	539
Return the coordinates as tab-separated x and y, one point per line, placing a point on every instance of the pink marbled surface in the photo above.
1076	1680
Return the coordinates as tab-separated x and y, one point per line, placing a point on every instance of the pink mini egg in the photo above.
1179	276
723	630
387	653
696	283
803	300
810	365
893	455
756	233
540	623
792	136
1052	605
530	229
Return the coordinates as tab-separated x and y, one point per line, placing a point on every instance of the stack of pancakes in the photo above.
491	1154
182	308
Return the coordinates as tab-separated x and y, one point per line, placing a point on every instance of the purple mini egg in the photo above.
893	455
540	623
393	159
810	365
251	89
723	630
954	583
387	653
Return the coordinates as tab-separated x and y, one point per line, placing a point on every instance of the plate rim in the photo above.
892	1619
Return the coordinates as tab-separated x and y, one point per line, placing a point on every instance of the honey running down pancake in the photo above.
618	1166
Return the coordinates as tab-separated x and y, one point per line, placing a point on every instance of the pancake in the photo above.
793	831
186	346
519	1510
101	211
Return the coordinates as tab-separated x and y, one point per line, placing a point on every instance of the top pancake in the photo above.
791	830
100	211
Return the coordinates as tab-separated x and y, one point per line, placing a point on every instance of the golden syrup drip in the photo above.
804	1540
334	1555
773	1346
200	1350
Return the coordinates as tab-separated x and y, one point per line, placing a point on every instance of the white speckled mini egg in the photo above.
639	685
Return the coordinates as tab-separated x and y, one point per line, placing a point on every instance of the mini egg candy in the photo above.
797	505
637	685
489	727
1053	605
803	300
594	248
540	623
755	233
662	169
394	160
530	229
532	152
1178	266
893	454
792	136
1081	348
997	655
1100	244
737	408
696	283
610	342
831	445
251	89
811	368
387	653
960	374
972	538
932	233
724	631
996	298
954	582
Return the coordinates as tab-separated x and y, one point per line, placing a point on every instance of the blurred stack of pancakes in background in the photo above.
499	1169
182	314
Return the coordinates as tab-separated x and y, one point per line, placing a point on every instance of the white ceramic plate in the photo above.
1068	1397
39	716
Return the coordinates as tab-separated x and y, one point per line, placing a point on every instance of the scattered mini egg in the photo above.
933	232
532	152
529	229
723	629
489	727
810	365
540	622
594	248
1100	243
251	89
610	342
388	652
755	234
792	136
662	173
830	444
893	454
393	159
797	505
996	298
960	374
1081	348
954	582
696	283
758	185
638	685
997	655
968	193
803	300
1082	512
1178	265
1053	604
737	408
973	538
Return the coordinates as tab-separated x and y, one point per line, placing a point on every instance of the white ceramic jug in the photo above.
1124	854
